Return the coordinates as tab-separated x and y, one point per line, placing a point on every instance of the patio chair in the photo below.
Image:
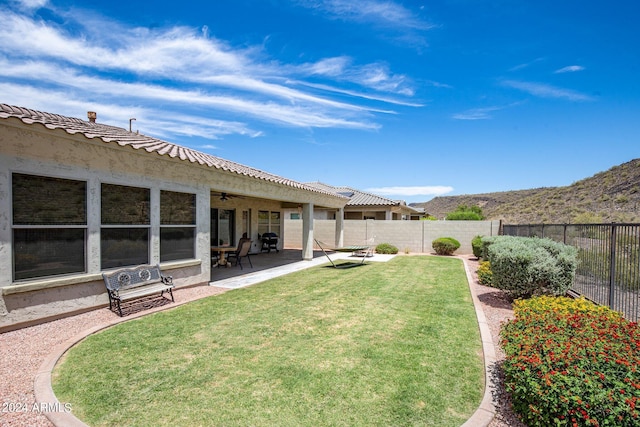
244	246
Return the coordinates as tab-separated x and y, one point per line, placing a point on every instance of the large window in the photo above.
177	225
49	226
269	222
124	236
222	227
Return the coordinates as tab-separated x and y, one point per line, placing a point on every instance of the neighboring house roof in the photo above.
123	137
361	198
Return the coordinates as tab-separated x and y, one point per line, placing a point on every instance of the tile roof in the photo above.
122	137
356	197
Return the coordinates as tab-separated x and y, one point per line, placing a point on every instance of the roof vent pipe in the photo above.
92	116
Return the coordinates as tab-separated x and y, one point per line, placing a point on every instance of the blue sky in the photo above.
408	100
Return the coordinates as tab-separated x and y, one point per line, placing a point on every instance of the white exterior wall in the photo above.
36	150
23	151
407	236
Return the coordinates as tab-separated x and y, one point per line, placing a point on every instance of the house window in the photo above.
177	225
222	227
124	236
49	226
246	223
268	222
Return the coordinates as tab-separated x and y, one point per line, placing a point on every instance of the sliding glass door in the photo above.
223	227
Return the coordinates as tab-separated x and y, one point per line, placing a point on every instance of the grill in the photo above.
269	241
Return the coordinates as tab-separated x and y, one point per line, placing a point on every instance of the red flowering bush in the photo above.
572	363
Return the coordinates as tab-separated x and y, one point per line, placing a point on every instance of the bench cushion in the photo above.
141	291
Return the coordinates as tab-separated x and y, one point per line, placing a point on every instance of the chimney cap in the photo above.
92	116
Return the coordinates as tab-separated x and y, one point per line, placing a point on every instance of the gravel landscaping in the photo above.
23	351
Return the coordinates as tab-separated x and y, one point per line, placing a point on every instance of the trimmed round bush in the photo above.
528	266
386	248
476	246
445	245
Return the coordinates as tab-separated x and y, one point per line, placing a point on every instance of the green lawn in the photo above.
388	344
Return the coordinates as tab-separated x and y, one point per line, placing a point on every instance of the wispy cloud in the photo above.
569	69
376	76
30	4
526	64
388	20
372	97
482	113
386	13
117	112
92	60
428	190
543	90
476	113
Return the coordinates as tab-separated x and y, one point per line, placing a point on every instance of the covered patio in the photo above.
123	199
267	265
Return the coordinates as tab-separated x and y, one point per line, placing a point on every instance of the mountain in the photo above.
610	196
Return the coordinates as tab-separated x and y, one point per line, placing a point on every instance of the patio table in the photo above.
222	250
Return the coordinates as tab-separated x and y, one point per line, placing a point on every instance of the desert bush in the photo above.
525	266
476	246
571	363
486	241
386	248
466	213
485	276
445	245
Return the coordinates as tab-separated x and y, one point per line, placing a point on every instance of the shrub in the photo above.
524	266
561	305
386	248
570	362
486	242
476	246
466	213
445	245
485	276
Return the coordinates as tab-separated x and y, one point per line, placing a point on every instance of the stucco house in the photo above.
362	206
78	198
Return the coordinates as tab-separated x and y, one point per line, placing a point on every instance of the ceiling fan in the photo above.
224	196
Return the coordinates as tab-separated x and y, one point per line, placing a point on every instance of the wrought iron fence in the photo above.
608	270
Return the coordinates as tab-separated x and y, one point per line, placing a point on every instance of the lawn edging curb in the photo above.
44	394
485	413
42	388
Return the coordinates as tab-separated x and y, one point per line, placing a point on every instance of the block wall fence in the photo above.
407	236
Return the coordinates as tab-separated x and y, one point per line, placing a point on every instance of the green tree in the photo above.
466	213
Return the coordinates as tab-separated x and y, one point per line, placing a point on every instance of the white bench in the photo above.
131	283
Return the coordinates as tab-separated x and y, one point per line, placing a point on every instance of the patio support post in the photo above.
307	231
340	228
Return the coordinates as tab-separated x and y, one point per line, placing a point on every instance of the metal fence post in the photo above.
612	266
